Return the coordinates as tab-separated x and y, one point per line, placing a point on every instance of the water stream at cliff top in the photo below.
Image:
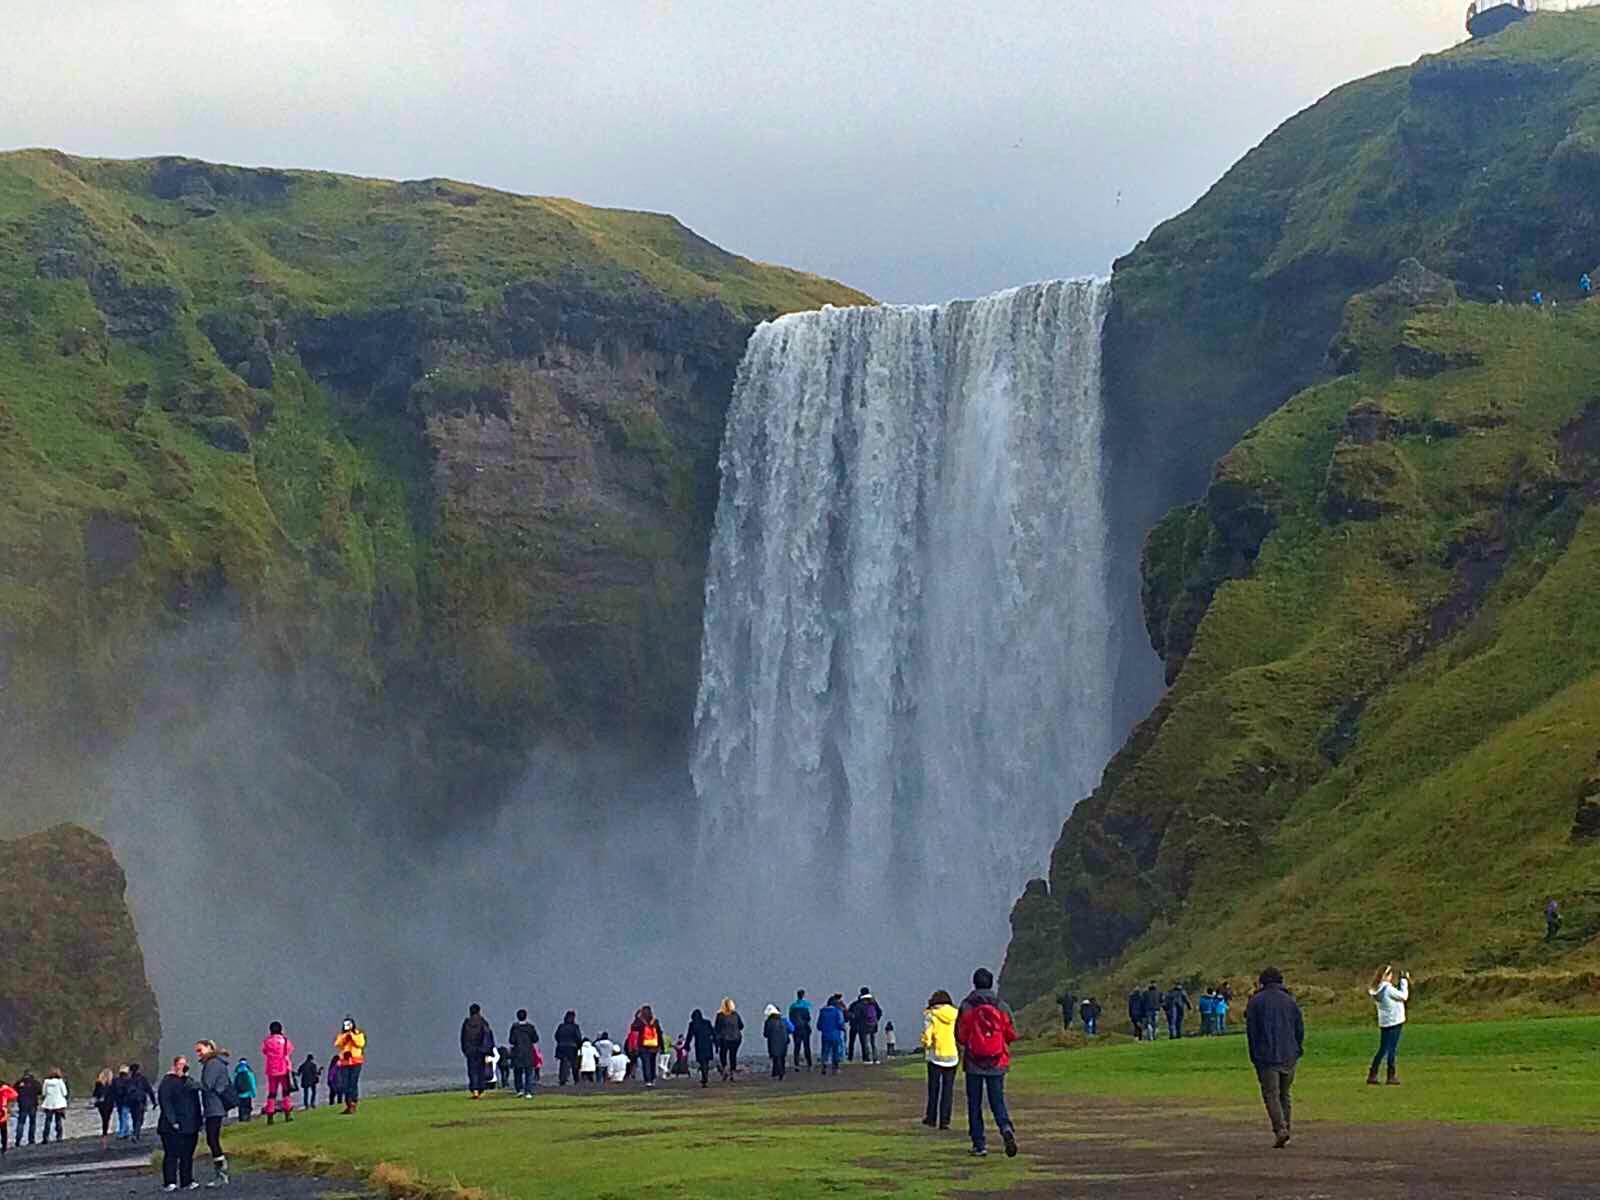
907	666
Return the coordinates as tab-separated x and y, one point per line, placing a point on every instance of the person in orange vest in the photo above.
8	1097
351	1048
648	1039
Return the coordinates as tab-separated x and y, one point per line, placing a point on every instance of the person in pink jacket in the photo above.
277	1054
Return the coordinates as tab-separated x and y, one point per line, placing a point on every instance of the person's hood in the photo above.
866	996
982	996
771	1011
243	1063
943	1014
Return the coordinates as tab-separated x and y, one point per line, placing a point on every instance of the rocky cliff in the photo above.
73	992
1376	738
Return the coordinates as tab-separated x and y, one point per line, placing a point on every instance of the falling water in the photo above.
907	669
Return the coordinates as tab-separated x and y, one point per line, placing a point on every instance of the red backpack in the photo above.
986	1033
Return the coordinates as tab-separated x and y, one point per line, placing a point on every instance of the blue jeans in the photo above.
350	1082
995	1086
1089	1027
124	1121
27	1122
522	1078
832	1052
1388	1046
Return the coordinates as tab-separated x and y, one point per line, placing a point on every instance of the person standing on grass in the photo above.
178	1125
524	1037
277	1062
244	1085
310	1075
1176	1003
939	1047
1390	998
800	1018
1089	1011
335	1092
1152	1010
351	1048
702	1039
729	1027
775	1031
1219	1008
216	1089
54	1104
1277	1039
984	1030
569	1038
1069	1007
831	1023
648	1031
868	1013
1208	1011
589	1063
1136	1012
477	1046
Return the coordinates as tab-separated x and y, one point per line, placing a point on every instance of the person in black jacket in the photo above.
568	1038
179	1125
477	1047
139	1096
701	1038
1175	1004
310	1075
1277	1038
29	1090
1069	1006
524	1037
1136	1012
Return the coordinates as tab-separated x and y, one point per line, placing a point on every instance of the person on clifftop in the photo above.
277	1062
351	1048
1277	1041
984	1031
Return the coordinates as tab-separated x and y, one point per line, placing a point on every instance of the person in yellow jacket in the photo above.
939	1043
350	1046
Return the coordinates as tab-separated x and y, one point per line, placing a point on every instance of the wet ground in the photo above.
79	1170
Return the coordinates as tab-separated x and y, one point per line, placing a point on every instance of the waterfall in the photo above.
907	666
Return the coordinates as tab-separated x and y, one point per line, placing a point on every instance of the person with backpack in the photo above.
1277	1040
775	1031
244	1086
1390	998
867	1015
138	1097
984	1031
944	1056
178	1124
569	1039
800	1018
217	1099
524	1037
310	1075
831	1024
477	1047
350	1045
729	1028
277	1061
648	1040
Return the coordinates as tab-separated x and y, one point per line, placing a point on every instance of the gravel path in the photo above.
78	1170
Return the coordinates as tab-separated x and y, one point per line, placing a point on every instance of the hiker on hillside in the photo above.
1207	1004
729	1029
1277	1038
1552	920
178	1125
985	1032
277	1063
647	1031
53	1103
702	1039
831	1023
1219	1009
1390	998
1089	1011
477	1046
867	1013
244	1086
1175	1004
1069	1007
137	1097
310	1075
1152	1010
775	1030
8	1097
939	1047
351	1047
1136	1012
29	1090
216	1092
569	1038
800	1018
524	1037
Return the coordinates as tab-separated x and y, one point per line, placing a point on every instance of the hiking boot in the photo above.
288	1116
1282	1140
1009	1136
269	1118
1393	1080
1372	1077
219	1172
978	1152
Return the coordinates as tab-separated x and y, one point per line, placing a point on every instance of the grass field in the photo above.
859	1135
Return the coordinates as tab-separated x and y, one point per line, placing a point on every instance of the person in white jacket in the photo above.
1390	997
54	1104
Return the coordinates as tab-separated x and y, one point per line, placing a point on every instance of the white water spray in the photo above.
907	667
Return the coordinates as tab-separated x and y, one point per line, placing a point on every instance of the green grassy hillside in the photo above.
455	447
1380	743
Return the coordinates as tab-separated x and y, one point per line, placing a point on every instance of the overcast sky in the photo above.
920	149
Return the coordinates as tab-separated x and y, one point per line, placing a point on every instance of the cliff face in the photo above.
73	992
1359	556
452	449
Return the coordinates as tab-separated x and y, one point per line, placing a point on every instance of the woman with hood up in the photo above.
776	1031
703	1040
939	1044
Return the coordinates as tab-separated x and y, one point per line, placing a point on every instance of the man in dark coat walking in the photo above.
477	1044
524	1037
1277	1038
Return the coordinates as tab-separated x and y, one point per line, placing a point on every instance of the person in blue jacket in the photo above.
800	1020
830	1025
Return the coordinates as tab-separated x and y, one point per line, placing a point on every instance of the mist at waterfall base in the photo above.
909	658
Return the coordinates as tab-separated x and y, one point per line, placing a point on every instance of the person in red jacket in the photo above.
984	1031
8	1097
277	1054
